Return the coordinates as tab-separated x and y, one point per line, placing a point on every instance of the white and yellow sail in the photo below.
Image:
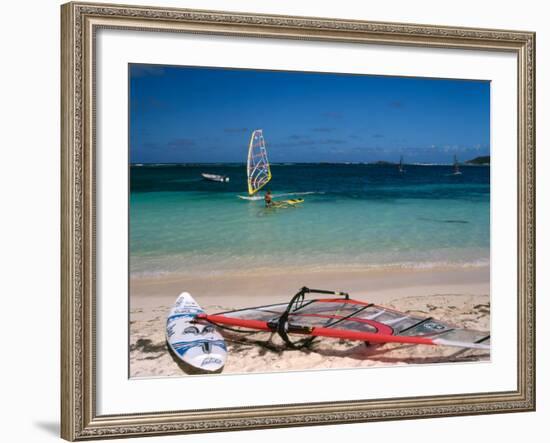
257	167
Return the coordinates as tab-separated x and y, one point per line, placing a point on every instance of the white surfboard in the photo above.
198	344
253	198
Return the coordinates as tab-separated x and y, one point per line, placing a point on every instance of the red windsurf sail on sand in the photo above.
336	315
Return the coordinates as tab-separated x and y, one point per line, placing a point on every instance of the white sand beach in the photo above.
459	296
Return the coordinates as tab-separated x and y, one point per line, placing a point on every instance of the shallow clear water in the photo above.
353	215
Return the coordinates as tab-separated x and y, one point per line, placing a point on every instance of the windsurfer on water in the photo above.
268	200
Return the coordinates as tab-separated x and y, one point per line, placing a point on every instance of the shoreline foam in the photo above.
311	269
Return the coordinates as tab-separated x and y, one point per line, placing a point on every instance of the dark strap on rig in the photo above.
283	327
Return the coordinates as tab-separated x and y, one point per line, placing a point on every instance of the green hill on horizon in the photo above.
482	160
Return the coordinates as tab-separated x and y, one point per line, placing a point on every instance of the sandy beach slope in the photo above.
459	296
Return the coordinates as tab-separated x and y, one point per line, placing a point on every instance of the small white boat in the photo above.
215	177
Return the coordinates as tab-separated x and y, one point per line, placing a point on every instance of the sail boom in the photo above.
346	334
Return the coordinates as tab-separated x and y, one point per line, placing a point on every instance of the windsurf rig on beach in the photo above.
330	314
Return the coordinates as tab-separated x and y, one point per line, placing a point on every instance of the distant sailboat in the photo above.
456	170
400	167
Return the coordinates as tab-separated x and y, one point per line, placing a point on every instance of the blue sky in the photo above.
195	115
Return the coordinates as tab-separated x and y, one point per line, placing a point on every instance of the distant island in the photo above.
383	162
484	160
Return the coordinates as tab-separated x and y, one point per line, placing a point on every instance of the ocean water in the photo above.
353	215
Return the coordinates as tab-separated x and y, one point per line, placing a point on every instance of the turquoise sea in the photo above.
360	215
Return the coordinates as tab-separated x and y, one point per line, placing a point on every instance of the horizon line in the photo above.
376	162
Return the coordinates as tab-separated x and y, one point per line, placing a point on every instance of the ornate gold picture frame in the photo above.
80	23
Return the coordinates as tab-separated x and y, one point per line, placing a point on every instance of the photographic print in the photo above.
247	198
283	221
